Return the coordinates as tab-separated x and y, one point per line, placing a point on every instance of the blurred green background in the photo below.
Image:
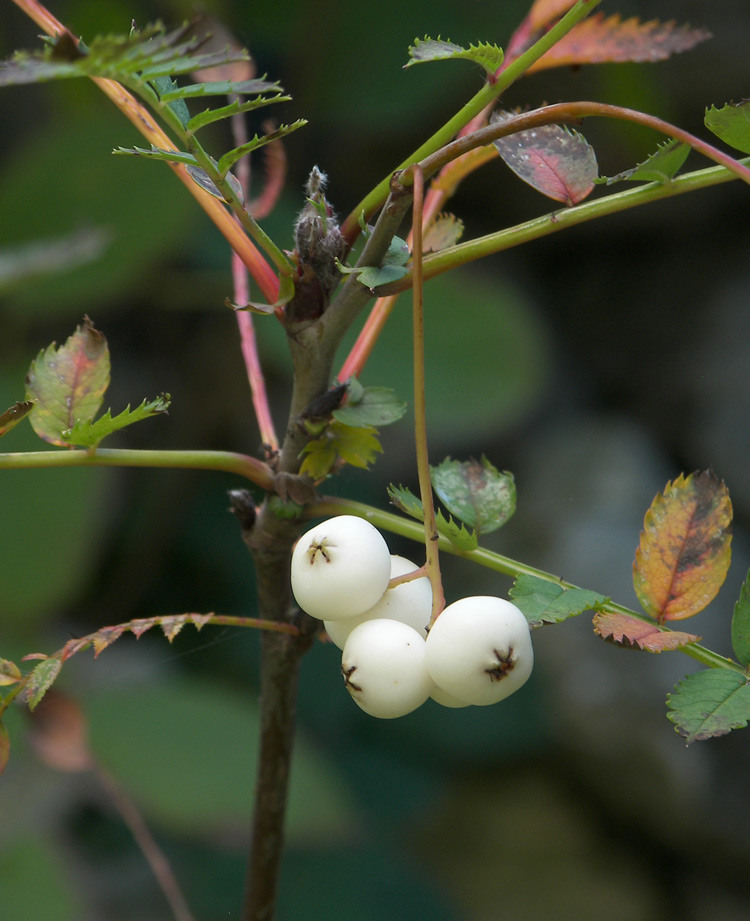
596	364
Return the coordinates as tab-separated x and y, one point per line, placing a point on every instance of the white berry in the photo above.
340	568
383	665
408	602
445	699
479	650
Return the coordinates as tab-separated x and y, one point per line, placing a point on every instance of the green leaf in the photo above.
476	492
41	679
286	293
234	108
544	602
9	672
397	252
68	383
660	166
231	157
156	153
11	417
490	57
219	88
405	501
87	434
357	446
166	86
741	624
201	178
457	534
372	277
710	703
731	123
374	406
4	747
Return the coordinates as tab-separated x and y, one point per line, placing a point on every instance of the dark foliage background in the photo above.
596	364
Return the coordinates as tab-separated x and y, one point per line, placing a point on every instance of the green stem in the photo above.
413	530
486	96
559	220
228	461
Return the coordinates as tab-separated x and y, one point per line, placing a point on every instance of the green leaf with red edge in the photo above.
610	39
68	383
476	492
685	547
40	679
9	672
660	166
545	602
731	123
633	633
4	747
741	624
709	703
11	417
556	161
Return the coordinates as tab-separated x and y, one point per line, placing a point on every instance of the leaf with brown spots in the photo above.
633	633
685	547
68	383
600	40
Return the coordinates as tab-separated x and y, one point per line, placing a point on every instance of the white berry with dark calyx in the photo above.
384	670
479	650
340	568
408	602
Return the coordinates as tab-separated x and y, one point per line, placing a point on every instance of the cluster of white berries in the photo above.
478	651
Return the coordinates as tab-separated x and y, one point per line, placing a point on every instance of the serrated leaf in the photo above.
357	446
227	161
166	87
10	673
556	161
633	633
611	39
40	680
741	624
544	602
219	88
475	492
446	230
490	57
709	703
731	123
68	383
12	416
376	406
157	153
685	547
4	747
660	166
234	108
405	501
457	534
88	434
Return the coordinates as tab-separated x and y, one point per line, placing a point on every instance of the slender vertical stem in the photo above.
432	561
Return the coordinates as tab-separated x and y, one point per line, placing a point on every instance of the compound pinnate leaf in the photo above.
4	747
545	602
11	417
731	123
685	547
633	633
68	383
741	624
88	434
476	492
600	39
40	680
436	49
556	161
660	166
710	703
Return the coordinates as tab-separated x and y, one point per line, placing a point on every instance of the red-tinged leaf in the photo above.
4	747
685	547
68	383
105	637
171	626
40	679
139	627
444	231
556	161
544	13
199	620
10	673
599	40
632	633
11	417
59	734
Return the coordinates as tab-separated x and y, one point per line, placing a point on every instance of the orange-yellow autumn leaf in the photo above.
544	13
684	552
624	630
600	39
